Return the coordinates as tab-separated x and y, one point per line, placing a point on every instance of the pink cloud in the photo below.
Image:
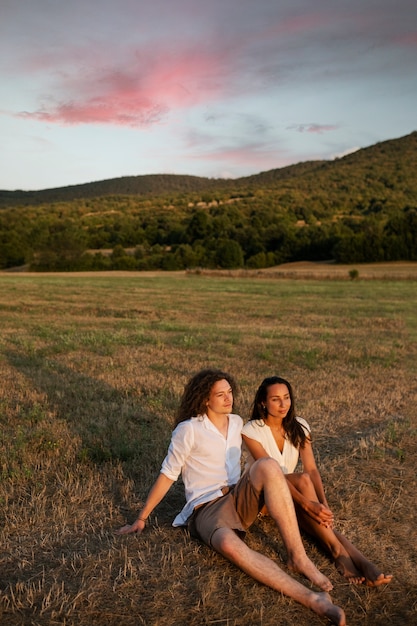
408	39
96	111
252	155
87	86
140	94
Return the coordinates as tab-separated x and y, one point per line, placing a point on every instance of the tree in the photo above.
400	236
185	257
13	250
63	249
228	254
198	228
261	259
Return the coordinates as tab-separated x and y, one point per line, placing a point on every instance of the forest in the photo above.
357	209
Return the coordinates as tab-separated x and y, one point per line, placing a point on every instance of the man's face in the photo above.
220	400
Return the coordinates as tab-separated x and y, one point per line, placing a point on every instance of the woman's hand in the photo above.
320	514
136	527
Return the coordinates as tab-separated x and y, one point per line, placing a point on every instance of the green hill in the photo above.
385	170
152	184
359	208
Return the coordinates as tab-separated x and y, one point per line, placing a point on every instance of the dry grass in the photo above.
325	270
92	368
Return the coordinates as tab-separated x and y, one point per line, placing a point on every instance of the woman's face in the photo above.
278	401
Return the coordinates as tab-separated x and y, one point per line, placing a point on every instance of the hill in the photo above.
385	171
358	209
151	184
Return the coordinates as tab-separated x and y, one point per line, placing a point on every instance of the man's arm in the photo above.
159	489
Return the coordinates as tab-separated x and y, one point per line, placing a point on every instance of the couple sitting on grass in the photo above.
221	504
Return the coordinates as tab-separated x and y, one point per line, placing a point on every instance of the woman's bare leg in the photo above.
325	535
349	561
372	574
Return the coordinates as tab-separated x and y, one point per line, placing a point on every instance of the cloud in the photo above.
340	155
96	111
407	39
313	128
251	155
89	80
137	91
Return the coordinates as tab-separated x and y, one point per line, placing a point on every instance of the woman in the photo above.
274	430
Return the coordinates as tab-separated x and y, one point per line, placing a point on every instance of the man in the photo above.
220	506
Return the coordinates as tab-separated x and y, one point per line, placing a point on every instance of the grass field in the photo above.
92	368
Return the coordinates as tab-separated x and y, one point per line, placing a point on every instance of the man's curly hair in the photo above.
197	391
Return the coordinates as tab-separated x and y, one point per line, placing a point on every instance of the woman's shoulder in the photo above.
303	423
252	426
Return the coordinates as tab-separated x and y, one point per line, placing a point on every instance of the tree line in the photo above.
226	236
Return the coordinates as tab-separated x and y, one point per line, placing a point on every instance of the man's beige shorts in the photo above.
237	510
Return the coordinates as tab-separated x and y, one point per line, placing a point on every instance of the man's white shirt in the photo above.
206	460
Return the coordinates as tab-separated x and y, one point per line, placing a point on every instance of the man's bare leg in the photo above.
264	570
267	475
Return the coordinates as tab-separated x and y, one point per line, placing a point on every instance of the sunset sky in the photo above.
97	89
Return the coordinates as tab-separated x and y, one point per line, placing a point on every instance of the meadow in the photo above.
92	368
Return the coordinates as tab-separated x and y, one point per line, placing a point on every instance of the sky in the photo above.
98	89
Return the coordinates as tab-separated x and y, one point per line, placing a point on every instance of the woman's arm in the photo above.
319	511
255	448
310	466
258	452
157	492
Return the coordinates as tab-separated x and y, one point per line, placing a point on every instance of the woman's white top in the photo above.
260	432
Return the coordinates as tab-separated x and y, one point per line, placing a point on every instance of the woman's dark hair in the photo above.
292	426
197	391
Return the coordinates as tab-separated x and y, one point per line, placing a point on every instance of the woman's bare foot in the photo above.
382	579
324	607
372	576
346	568
309	570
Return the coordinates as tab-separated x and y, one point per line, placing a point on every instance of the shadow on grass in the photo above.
109	426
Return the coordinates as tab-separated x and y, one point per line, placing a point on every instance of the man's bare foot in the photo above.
309	570
324	607
346	568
